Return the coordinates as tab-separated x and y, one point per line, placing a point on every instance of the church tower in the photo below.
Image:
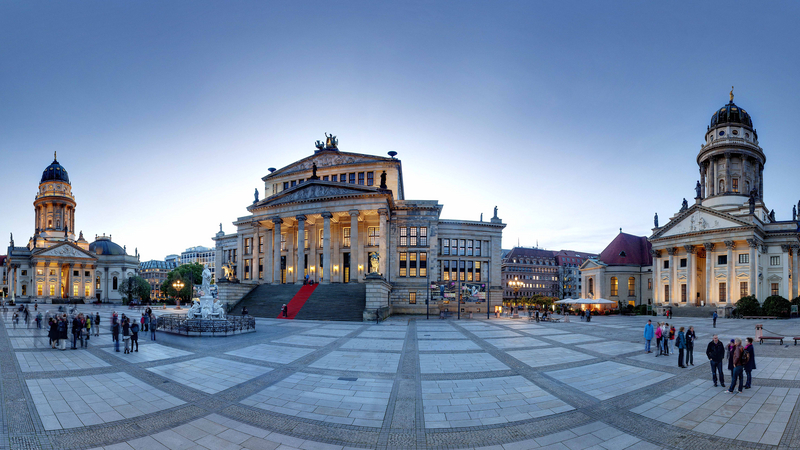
54	207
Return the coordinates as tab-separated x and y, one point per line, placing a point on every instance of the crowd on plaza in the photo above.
741	359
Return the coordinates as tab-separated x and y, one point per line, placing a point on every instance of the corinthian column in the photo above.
730	245
276	248
673	275
326	248
709	246
301	247
753	244
690	275
656	277
355	247
383	239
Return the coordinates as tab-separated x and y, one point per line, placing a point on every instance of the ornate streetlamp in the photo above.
178	286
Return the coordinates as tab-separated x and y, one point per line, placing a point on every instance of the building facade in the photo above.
622	272
536	269
569	275
335	217
57	265
727	244
155	272
4	279
201	255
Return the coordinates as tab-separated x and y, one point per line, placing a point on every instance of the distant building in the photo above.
569	264
623	272
4	279
173	259
536	268
155	272
202	255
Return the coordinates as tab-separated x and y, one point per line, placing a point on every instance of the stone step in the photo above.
345	301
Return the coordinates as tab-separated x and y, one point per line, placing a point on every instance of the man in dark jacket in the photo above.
716	353
77	327
738	365
751	363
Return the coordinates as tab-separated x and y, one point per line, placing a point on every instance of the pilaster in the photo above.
730	245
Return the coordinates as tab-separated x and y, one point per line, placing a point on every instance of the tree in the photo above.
190	275
775	305
748	306
134	287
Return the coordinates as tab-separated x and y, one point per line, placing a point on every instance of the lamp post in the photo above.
178	286
515	285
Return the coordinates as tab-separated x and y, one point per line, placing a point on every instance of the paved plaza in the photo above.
497	384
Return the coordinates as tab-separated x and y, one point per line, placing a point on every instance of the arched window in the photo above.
114	283
631	287
614	286
591	286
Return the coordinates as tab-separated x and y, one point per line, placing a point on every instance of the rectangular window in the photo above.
454	247
445	246
305	239
412	264
334	178
373	236
285	185
39	272
477	271
248	246
470	269
666	264
631	287
370	178
683	262
52	290
461	270
744	258
683	293
774	289
413	238
403	236
247	268
75	273
666	293
649	284
294	183
52	272
24	289
346	236
774	260
477	248
261	244
423	236
352	178
403	264
343	178
735	184
361	178
324	178
445	270
469	247
423	264
462	246
75	290
283	241
39	290
412	298
722	260
742	289
260	267
723	292
88	291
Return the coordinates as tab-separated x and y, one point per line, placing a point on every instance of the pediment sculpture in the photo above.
67	251
317	191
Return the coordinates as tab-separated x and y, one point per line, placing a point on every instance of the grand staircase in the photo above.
326	302
697	311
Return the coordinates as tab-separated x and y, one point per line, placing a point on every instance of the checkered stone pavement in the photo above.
209	374
56	360
459	362
608	379
359	361
271	353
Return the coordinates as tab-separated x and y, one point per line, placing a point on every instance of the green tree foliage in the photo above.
775	305
748	306
796	301
134	288
190	274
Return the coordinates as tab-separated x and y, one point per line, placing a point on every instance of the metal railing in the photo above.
179	324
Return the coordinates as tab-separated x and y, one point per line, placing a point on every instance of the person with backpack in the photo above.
716	353
740	359
680	344
135	336
750	359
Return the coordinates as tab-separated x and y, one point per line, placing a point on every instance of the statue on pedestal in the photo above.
684	205
752	201
655	220
383	180
254	201
794	213
697	189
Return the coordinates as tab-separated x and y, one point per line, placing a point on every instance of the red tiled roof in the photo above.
522	252
636	251
2	259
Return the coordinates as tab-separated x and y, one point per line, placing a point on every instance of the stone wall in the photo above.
231	293
377	295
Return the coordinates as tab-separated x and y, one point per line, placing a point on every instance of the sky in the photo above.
575	119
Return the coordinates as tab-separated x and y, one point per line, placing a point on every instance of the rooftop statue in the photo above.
752	201
794	213
254	201
697	190
731	94
772	216
684	205
655	220
383	180
330	141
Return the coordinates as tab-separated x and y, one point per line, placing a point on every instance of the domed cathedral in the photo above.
341	218
726	244
56	265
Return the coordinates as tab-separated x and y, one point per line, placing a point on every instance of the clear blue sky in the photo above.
574	118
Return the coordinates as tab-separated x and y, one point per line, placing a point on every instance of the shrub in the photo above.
775	305
748	306
641	310
796	301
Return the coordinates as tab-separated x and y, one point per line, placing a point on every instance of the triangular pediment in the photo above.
698	219
64	250
592	264
318	190
327	158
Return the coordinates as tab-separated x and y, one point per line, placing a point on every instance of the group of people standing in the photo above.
129	328
59	329
665	335
741	361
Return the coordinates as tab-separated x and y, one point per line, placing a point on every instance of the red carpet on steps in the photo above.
299	300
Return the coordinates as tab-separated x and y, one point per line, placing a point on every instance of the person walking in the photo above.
648	336
53	334
716	353
135	336
115	329
751	361
680	343
146	321
76	331
153	325
714	319
84	333
659	337
39	320
670	344
740	357
97	323
126	334
730	348
690	338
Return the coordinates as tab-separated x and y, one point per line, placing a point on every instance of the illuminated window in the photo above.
283	241
412	298
742	289
346	236
477	271
247	263
39	272
666	293
403	264
445	271
24	289
735	184
649	284
305	240
614	287
52	272
373	235
774	289
423	264
39	290
52	290
88	291
75	290
403	236
470	269
97	283
723	292
631	287
412	264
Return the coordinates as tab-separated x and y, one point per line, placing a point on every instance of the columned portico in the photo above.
383	216
656	276
795	270
301	247
276	247
673	275
785	285
691	298
709	247
326	248
753	257
730	245
355	245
